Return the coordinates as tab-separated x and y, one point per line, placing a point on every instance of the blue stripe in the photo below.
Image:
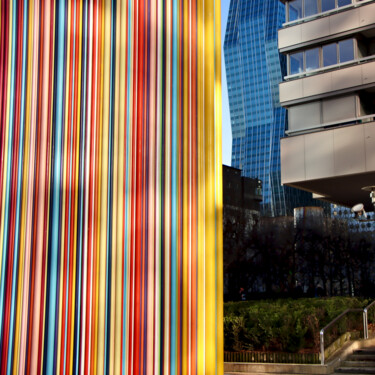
174	197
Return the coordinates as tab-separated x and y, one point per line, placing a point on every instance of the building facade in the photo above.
254	69
329	92
241	199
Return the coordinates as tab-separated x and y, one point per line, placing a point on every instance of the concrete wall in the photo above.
331	153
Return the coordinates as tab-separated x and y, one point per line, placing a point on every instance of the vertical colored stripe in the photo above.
110	187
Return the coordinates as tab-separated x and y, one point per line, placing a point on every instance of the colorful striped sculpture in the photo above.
110	186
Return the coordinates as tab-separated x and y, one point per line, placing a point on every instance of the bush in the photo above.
284	325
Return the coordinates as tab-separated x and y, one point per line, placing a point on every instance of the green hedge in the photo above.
286	325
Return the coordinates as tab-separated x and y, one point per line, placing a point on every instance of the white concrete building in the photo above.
329	92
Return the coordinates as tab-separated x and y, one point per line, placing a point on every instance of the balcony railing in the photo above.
327	125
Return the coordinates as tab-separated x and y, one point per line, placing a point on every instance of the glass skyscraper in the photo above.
254	69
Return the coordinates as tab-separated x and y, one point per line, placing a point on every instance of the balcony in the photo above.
334	80
333	164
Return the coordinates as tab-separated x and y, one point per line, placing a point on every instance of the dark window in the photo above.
342	3
311	7
346	50
329	54
328	5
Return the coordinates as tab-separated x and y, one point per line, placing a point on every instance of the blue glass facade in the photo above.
254	69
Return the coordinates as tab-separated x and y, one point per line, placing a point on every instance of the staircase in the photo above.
360	362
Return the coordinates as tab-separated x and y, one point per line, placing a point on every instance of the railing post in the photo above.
365	324
322	347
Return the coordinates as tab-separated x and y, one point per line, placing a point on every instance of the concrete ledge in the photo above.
276	369
237	368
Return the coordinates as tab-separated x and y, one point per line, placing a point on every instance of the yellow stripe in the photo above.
209	190
201	186
219	193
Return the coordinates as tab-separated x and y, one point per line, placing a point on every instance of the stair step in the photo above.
362	357
350	363
364	351
355	370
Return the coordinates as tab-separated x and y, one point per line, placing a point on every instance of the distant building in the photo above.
254	69
241	205
241	198
329	92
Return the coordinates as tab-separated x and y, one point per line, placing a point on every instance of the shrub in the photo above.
284	325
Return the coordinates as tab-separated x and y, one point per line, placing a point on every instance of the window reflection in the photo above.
329	54
328	5
295	10
311	7
312	59
296	63
342	3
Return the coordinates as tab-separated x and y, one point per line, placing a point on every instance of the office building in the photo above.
241	198
329	92
254	69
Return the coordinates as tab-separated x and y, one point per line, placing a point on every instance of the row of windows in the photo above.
298	9
326	55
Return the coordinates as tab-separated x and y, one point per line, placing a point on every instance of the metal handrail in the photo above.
328	326
365	320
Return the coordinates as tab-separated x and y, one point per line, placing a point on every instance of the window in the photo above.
295	10
346	50
329	54
328	5
311	7
296	63
312	59
342	3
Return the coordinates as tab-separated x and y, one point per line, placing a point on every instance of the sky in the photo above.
227	132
